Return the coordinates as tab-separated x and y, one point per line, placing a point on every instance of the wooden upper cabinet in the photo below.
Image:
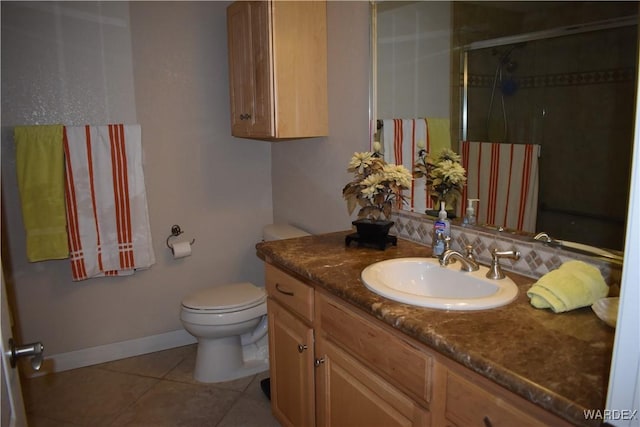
278	69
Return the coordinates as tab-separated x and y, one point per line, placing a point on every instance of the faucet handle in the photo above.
469	252
447	243
496	254
495	271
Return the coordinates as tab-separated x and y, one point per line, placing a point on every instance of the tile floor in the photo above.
151	390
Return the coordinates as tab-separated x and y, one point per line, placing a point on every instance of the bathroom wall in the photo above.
164	66
308	176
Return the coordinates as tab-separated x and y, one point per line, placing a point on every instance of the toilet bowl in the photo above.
229	321
230	324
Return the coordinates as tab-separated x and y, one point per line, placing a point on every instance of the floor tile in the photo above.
35	421
250	412
87	396
152	390
184	373
178	404
155	365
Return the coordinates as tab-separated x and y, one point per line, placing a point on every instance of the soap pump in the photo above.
441	230
470	214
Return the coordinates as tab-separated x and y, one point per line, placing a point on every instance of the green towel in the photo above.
439	134
40	170
575	284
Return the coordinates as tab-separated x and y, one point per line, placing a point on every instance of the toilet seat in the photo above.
225	299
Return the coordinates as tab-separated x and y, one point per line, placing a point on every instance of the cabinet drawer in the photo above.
401	364
290	292
468	404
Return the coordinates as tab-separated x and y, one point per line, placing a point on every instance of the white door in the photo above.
12	411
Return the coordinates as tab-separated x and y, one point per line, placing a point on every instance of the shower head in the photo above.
510	65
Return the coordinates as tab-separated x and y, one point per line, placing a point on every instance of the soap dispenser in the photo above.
441	230
470	214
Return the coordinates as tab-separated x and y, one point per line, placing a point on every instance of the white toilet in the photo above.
230	323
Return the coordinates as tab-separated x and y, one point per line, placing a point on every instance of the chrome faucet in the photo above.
495	271
467	264
543	237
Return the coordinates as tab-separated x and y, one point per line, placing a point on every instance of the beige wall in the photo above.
308	176
164	65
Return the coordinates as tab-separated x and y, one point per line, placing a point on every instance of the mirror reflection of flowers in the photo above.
376	187
445	175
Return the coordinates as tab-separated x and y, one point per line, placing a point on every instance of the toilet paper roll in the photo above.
181	250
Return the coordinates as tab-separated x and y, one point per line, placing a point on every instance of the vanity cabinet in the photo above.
361	379
333	364
278	69
291	349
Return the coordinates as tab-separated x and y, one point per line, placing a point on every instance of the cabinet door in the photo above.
291	367
349	394
469	403
250	75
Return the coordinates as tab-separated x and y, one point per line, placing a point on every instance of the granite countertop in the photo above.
557	361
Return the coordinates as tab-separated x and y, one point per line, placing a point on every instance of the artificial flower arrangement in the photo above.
445	176
376	187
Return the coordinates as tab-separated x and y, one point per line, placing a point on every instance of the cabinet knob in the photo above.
302	347
245	116
318	362
487	422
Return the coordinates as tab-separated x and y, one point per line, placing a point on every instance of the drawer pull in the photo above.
302	347
289	293
487	422
318	362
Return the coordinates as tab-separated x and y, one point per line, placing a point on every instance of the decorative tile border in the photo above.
535	258
577	78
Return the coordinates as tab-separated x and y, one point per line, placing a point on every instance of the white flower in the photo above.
450	171
360	161
376	185
377	147
398	174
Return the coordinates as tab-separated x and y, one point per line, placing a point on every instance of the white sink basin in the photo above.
423	282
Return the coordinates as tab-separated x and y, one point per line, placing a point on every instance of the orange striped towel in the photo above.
505	179
402	142
107	214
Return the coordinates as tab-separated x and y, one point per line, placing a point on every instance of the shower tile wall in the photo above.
575	97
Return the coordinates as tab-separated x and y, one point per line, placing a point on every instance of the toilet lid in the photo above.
225	297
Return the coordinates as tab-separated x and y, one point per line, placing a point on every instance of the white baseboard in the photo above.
110	352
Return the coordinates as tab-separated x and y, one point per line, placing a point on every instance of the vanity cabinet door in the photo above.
291	363
349	394
472	401
250	78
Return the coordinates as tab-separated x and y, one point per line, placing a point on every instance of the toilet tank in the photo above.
281	231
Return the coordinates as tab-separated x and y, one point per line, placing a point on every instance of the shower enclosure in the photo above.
570	90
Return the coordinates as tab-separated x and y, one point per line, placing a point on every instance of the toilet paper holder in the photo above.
176	231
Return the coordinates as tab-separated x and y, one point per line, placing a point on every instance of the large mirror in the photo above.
557	76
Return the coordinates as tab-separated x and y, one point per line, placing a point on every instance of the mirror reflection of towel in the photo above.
439	134
40	173
504	177
402	139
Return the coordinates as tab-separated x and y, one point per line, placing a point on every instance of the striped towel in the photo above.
108	220
401	138
505	179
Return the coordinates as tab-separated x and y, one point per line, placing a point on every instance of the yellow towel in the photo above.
575	284
40	170
439	134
